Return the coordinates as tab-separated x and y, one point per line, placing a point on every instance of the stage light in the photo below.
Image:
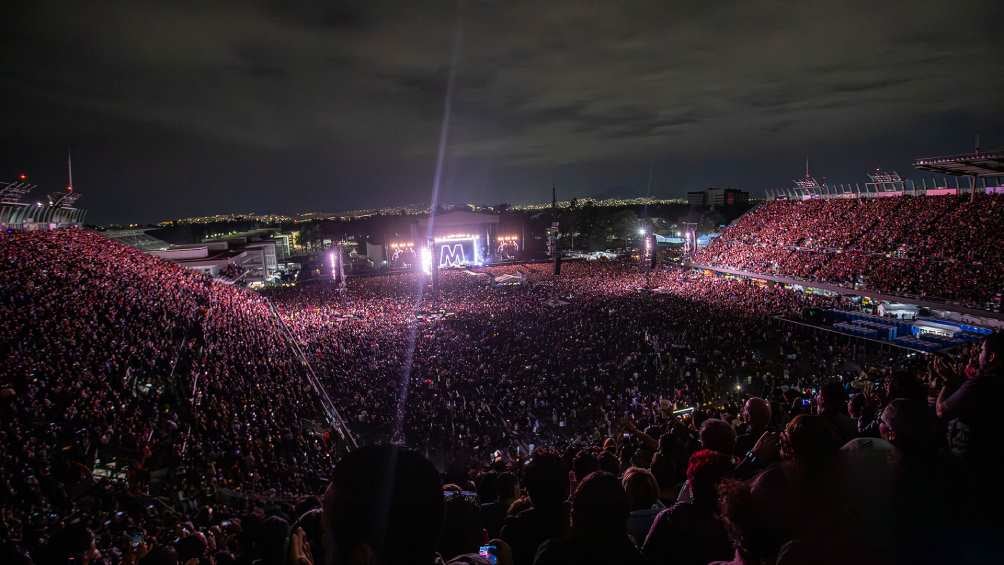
641	231
739	387
426	260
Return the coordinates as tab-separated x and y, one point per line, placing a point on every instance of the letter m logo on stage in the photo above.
452	256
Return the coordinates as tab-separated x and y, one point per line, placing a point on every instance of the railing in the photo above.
881	190
334	417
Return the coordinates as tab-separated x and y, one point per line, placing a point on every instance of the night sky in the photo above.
183	107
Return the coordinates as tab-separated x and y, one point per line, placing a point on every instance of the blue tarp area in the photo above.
932	343
968	328
902	332
880	328
702	240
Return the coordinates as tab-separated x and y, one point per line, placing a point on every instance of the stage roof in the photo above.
459	218
980	164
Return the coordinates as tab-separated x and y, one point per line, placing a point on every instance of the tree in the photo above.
624	224
591	236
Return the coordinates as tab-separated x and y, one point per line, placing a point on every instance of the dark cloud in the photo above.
291	105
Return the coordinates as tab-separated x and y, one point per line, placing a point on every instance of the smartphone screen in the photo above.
489	553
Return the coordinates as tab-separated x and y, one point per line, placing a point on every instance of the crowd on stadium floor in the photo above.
479	355
933	246
109	354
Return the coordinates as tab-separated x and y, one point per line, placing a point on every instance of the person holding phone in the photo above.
969	404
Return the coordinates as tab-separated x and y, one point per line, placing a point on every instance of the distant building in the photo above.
262	257
282	245
242	258
206	259
718	197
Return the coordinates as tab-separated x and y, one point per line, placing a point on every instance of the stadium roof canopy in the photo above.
137	238
979	164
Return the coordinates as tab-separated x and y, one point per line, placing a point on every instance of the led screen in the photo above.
458	253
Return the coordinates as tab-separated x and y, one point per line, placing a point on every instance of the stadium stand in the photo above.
938	247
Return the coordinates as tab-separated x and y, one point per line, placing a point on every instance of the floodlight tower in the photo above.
807	186
68	197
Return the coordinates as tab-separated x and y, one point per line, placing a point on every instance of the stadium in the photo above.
823	330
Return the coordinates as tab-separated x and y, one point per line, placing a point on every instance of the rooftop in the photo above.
978	163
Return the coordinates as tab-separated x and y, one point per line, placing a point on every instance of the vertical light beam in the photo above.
402	397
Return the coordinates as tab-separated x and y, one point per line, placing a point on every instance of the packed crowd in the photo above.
149	415
115	364
933	246
476	368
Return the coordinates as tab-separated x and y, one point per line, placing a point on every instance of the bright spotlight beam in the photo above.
402	396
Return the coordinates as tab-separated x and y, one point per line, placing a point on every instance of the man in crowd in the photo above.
598	535
546	482
691	533
756	419
493	513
